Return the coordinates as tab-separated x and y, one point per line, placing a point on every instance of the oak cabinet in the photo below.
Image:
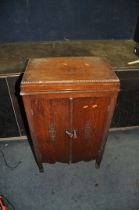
69	104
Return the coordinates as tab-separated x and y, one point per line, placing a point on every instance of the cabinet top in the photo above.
67	71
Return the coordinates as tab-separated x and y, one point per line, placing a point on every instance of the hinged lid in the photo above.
68	73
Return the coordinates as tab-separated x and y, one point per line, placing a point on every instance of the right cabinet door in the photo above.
90	116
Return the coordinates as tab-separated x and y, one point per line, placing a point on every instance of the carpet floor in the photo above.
79	186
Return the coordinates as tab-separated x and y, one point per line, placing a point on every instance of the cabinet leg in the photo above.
100	154
97	164
41	169
99	158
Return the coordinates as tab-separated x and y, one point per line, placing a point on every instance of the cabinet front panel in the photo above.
50	118
89	121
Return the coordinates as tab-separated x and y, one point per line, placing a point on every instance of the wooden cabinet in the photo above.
69	104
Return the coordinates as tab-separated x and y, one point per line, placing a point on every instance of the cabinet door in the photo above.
89	120
49	119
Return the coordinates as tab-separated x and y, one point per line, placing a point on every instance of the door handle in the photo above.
72	134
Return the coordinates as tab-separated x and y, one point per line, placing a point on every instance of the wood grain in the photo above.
69	125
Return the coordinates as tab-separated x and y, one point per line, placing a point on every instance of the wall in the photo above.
32	20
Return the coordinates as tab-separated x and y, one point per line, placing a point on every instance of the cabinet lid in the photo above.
68	73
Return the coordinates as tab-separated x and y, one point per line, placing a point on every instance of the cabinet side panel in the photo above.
27	106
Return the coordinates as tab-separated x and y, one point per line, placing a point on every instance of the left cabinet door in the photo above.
48	119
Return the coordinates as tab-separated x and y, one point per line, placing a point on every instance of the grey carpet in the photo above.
78	186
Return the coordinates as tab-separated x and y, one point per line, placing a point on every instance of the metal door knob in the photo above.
71	134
